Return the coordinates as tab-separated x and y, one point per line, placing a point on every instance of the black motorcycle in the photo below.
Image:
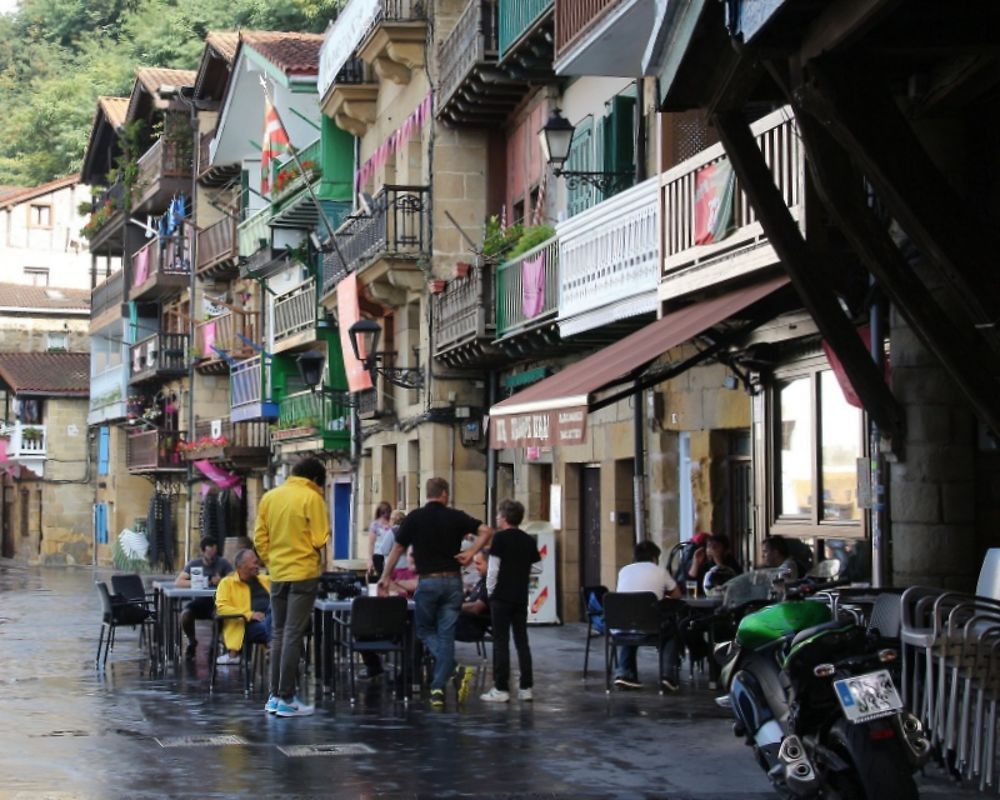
816	700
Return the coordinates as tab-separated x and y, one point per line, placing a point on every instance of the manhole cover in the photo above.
201	741
303	750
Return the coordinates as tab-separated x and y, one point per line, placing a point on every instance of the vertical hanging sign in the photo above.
349	312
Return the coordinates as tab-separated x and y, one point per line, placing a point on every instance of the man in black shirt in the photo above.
512	554
435	532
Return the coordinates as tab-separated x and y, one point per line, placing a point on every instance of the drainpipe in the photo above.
491	454
639	471
192	284
879	518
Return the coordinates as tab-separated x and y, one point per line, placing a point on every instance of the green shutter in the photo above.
619	139
244	194
581	159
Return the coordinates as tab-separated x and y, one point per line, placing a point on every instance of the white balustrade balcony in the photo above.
609	260
24	441
689	266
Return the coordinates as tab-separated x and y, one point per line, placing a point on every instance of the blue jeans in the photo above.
627	661
259	632
438	602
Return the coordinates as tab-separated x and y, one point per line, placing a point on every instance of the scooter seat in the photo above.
808	633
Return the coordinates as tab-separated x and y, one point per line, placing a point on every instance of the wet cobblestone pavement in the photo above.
68	730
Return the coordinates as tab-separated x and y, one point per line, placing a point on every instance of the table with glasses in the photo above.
331	632
169	599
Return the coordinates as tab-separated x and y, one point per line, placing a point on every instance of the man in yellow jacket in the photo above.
247	594
292	528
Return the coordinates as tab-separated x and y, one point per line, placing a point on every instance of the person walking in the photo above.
436	532
512	554
380	539
293	526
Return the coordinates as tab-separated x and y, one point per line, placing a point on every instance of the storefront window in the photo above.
840	447
796	449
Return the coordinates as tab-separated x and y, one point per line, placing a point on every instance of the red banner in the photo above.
349	312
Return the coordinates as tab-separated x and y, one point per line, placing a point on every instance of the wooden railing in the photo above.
609	254
295	310
108	295
24	440
153	449
204	151
397	226
516	17
212	437
253	232
514	305
159	353
223	333
472	41
217	243
778	139
163	160
464	310
575	17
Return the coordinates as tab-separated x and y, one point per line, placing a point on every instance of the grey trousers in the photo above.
291	608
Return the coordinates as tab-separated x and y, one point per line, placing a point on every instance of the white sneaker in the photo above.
226	659
524	694
296	708
494	695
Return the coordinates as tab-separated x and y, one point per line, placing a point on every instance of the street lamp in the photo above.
365	335
556	137
310	365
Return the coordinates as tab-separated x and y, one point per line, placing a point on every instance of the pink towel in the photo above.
533	286
208	339
140	266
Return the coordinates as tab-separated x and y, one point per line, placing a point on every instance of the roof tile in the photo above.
14	295
152	78
292	53
60	374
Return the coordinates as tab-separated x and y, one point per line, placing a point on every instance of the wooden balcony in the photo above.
383	247
254	235
689	266
226	334
104	230
159	358
106	300
236	445
526	321
312	415
602	37
525	35
294	316
161	268
464	320
154	450
218	250
164	171
472	91
209	175
250	391
609	264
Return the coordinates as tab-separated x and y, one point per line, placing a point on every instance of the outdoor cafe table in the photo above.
331	632
168	601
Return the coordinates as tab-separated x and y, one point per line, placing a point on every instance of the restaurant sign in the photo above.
543	428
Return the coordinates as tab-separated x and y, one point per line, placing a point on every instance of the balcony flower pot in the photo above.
437	286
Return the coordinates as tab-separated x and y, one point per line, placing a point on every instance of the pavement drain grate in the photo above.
201	741
303	750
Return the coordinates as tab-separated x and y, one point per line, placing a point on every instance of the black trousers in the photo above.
508	618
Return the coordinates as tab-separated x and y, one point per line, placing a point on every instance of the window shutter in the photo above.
619	138
103	442
581	159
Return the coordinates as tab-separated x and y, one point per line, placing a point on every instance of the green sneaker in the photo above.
437	698
463	682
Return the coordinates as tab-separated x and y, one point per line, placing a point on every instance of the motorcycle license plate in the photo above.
868	697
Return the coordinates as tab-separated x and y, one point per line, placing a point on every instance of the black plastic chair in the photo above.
117	611
252	657
634	619
587	592
379	625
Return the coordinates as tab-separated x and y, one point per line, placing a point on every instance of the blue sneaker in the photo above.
272	704
296	708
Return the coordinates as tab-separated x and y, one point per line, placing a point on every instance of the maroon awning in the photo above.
554	411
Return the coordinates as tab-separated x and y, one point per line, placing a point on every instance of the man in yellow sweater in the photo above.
292	528
247	594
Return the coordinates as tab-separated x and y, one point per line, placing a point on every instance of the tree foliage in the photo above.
58	56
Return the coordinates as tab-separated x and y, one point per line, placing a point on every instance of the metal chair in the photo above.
379	625
252	656
593	626
118	611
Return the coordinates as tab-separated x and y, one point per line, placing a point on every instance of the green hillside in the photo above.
57	56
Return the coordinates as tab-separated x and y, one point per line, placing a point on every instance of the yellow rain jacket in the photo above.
233	597
292	526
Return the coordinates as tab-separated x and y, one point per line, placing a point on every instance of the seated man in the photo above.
247	593
646	575
214	569
778	554
404	579
474	621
